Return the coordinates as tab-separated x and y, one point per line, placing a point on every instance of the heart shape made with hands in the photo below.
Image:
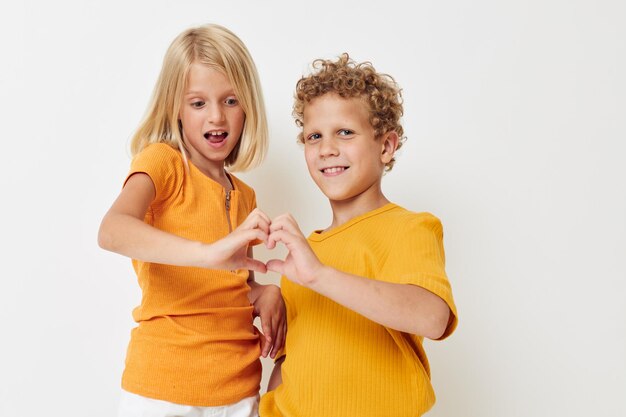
300	263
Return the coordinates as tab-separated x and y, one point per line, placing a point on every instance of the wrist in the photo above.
205	256
318	277
255	291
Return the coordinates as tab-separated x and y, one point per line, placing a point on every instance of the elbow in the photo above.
438	323
105	238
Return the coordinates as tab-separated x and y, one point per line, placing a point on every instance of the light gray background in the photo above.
514	113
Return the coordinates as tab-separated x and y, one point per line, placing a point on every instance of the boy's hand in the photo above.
270	307
301	265
230	252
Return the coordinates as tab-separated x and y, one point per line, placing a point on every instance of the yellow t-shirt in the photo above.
339	363
195	343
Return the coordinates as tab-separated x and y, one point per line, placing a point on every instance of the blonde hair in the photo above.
219	48
348	79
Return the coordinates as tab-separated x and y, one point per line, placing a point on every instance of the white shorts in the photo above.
133	405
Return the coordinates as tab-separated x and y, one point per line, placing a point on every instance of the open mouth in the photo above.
216	136
333	170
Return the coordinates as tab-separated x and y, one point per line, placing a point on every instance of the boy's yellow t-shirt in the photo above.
195	343
339	363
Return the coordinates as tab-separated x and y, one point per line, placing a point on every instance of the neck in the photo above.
217	173
346	210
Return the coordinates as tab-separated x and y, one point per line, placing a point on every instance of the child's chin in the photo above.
337	197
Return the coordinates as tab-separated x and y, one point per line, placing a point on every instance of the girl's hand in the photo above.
230	252
301	265
270	307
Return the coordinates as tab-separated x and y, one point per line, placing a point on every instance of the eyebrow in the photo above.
199	93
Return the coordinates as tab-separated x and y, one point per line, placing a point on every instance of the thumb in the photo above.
263	341
256	266
242	238
276	265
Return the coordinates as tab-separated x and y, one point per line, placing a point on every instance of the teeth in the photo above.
333	170
219	133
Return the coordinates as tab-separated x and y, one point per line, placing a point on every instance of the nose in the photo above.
328	147
215	113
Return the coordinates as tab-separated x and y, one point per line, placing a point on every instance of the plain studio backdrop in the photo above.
515	118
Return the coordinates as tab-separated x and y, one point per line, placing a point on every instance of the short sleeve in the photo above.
163	165
418	258
253	200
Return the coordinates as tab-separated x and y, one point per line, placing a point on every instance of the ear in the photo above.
389	146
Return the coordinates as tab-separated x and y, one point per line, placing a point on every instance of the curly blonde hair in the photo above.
349	79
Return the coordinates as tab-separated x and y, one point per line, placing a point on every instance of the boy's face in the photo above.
343	156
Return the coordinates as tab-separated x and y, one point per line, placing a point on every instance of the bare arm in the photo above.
123	231
269	306
402	307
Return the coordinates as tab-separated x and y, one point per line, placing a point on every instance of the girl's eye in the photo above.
231	101
313	136
197	104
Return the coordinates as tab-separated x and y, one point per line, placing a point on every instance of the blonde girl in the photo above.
188	224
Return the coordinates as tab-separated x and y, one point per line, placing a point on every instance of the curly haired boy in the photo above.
361	294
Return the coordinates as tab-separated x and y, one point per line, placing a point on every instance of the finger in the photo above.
292	223
285	222
263	224
250	235
263	343
266	326
256	266
279	232
265	350
279	221
279	340
286	238
271	243
262	214
254	224
240	238
273	329
276	265
257	219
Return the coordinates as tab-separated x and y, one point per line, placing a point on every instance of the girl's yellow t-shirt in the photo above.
195	343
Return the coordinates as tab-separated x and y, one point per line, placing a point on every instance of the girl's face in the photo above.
212	118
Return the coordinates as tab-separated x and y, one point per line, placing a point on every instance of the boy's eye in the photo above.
345	132
197	104
313	136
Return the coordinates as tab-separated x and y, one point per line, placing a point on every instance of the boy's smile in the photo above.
331	171
343	156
